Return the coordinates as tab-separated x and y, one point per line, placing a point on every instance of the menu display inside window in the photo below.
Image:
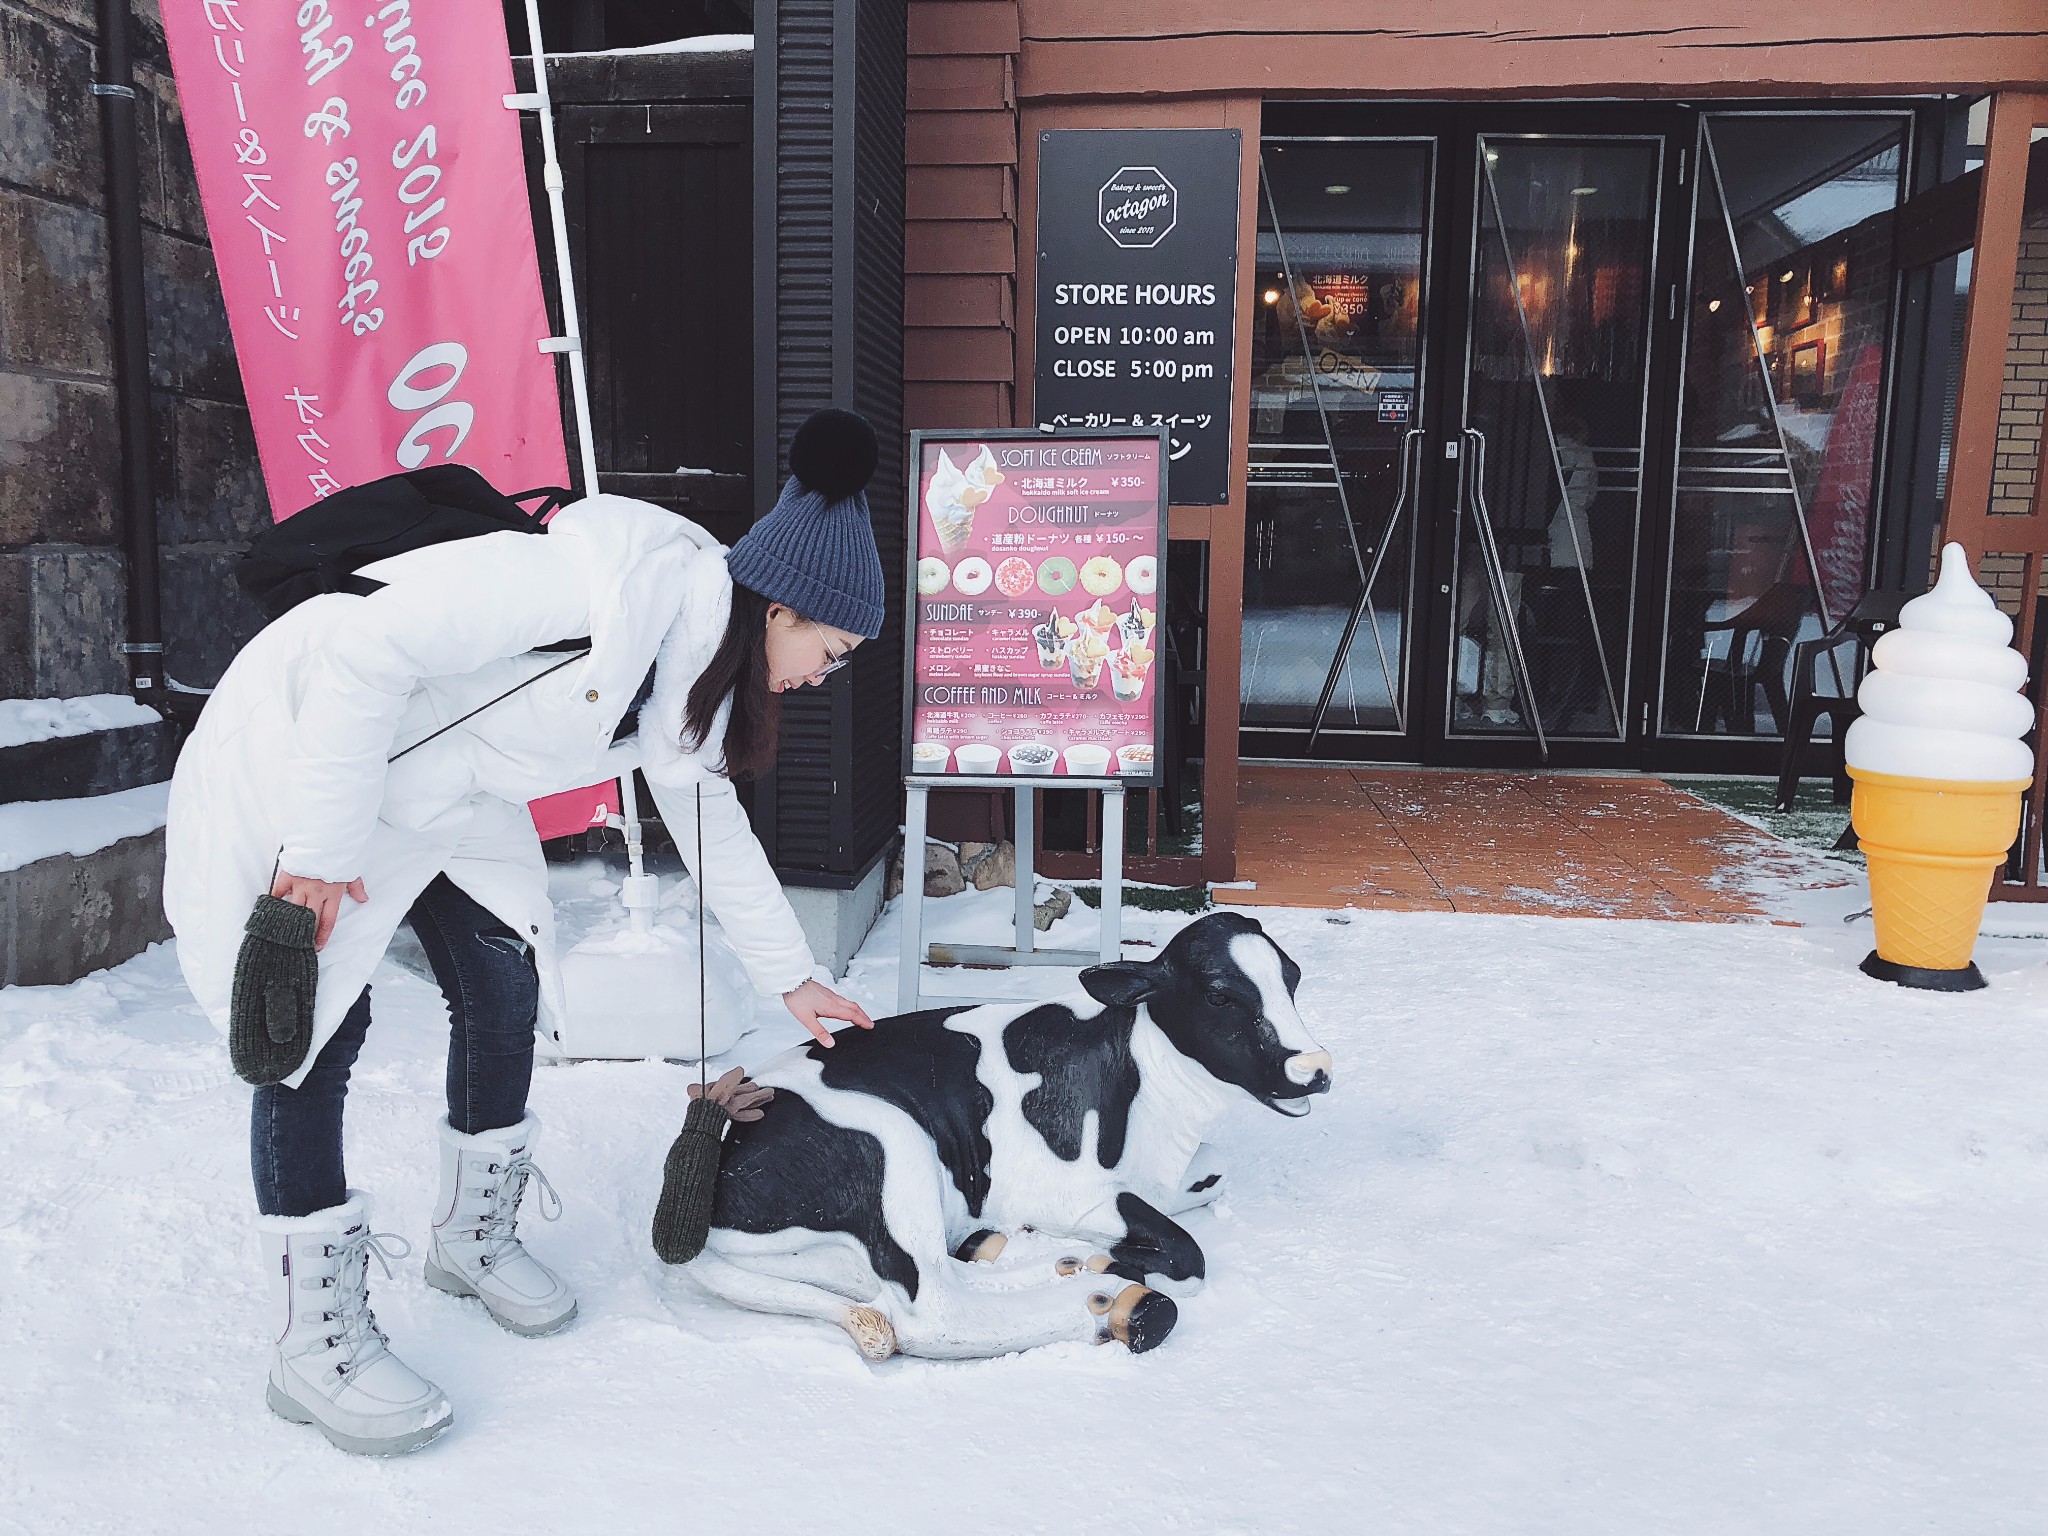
1034	638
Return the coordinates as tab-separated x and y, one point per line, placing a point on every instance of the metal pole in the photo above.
1111	943
115	89
571	339
911	956
1027	876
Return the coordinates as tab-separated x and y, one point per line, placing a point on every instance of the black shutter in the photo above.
828	330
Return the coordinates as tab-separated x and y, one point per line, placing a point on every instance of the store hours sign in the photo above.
1137	291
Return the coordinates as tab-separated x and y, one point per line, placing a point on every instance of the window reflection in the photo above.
1336	352
1783	394
1556	371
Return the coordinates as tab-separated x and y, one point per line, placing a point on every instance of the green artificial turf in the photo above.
1151	898
1814	821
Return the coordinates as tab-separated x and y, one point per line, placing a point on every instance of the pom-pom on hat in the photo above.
815	552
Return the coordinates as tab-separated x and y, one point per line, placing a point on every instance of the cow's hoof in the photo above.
984	1247
1138	1316
1073	1265
871	1331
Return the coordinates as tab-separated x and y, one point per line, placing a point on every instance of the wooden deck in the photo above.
1563	845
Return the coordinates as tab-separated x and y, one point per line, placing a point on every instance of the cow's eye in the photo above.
1219	997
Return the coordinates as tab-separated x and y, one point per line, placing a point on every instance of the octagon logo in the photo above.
1138	207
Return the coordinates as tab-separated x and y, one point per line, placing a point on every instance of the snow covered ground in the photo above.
1608	1227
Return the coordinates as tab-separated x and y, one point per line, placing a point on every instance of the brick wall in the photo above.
2026	378
2021	409
960	242
62	578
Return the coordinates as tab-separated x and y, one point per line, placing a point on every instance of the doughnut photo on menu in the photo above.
1101	576
972	576
1056	576
1142	574
1014	577
933	574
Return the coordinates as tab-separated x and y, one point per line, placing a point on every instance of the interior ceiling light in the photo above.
1272	295
1713	306
1785	276
1584	191
1337	188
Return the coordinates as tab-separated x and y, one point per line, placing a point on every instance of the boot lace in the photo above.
497	1225
358	1337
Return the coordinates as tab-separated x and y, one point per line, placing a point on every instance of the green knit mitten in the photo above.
689	1176
270	1014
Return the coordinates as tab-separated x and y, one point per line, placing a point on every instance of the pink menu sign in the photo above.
1035	595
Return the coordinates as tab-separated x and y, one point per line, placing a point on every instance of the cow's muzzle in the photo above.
1311	1069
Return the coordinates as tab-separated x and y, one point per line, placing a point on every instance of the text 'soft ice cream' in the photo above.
1942	698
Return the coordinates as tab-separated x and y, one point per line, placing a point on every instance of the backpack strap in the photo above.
444	730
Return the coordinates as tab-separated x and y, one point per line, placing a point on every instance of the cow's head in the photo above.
1223	994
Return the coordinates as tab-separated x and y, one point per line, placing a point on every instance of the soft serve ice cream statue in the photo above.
1940	771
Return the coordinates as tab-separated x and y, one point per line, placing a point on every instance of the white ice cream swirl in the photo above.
1942	697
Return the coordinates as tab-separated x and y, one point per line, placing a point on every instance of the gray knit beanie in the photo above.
815	552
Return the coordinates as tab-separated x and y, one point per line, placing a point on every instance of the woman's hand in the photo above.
324	897
814	1001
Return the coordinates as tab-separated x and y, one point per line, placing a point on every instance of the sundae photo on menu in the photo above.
1035	616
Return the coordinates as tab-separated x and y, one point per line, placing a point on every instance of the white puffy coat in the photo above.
288	764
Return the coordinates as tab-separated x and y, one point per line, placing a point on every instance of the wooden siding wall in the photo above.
985	75
1481	47
960	236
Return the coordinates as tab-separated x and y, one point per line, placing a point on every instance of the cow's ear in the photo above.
1120	984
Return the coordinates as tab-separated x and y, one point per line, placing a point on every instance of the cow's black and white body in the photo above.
887	1163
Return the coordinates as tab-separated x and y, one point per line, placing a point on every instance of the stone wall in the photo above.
62	578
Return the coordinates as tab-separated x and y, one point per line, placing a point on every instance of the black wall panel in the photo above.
829	98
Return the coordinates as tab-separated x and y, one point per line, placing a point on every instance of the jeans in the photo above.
486	973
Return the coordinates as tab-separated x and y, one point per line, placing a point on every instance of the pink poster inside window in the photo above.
1036	593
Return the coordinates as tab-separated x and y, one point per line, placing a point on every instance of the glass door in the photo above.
1549	441
1332	498
1781	413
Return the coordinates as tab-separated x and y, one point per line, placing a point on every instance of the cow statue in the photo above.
892	1166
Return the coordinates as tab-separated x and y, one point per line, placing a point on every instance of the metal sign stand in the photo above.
910	995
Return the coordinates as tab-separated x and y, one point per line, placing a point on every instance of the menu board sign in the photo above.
1137	290
1035	588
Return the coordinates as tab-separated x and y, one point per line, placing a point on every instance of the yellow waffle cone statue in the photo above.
1940	772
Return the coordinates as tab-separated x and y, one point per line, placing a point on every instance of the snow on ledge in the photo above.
42	829
716	42
26	720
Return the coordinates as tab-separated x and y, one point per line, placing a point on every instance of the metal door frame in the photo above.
1447	743
1708	752
1320	742
1446	321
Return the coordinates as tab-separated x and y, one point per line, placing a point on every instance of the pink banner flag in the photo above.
366	198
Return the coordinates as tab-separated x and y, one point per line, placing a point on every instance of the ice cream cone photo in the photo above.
1939	772
952	514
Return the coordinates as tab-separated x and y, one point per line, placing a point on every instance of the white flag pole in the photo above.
571	340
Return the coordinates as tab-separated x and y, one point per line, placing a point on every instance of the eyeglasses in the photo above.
832	663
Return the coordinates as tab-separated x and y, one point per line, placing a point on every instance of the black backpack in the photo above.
321	549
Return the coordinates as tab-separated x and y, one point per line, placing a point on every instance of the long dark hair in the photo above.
738	670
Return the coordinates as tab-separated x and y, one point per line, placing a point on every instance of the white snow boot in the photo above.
476	1249
331	1366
